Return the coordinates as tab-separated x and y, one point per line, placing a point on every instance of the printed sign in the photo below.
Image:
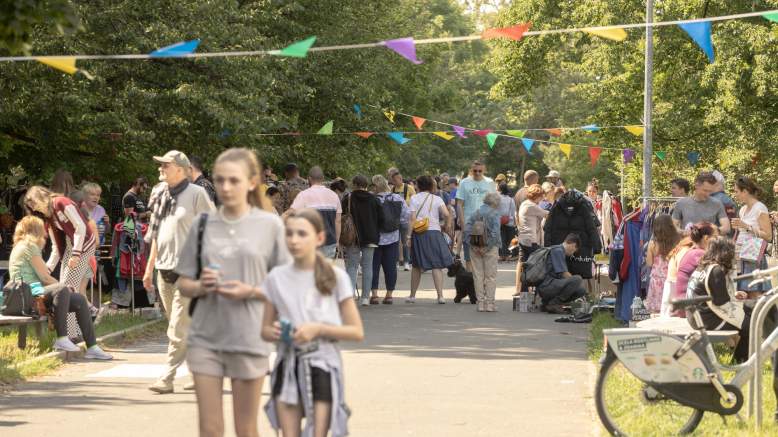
649	356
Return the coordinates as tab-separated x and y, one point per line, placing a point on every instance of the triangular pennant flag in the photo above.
555	131
403	46
594	153
772	16
636	130
298	49
759	155
419	121
81	137
398	136
565	148
514	32
180	49
364	134
460	131
700	33
444	135
221	135
528	144
616	34
359	113
326	129
491	138
591	127
628	155
389	115
661	155
516	133
483	133
693	158
68	65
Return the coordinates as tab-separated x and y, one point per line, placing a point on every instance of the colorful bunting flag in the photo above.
483	133
616	34
636	130
419	121
326	129
180	49
364	134
516	133
594	153
700	33
221	135
514	32
772	17
591	127
628	155
359	113
68	65
405	47
693	158
398	136
759	155
444	135
528	144
298	49
566	148
389	115
555	131
661	155
491	138
460	131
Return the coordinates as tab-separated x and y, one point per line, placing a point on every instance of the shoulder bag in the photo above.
732	311
17	300
200	231
422	225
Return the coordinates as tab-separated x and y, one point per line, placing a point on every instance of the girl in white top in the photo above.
753	220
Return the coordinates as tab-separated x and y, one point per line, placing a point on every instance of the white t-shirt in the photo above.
751	219
424	212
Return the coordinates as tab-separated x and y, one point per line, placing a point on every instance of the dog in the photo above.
463	282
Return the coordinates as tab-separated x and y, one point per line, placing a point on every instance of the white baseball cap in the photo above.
553	174
719	177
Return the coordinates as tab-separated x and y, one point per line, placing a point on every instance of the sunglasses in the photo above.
478	171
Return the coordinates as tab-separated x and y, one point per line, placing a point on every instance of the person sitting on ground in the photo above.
560	286
679	187
484	258
26	263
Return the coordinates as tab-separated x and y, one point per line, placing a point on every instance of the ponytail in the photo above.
324	274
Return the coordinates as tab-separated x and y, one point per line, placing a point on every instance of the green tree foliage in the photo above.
19	18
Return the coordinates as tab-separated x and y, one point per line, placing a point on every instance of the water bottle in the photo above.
101	230
637	304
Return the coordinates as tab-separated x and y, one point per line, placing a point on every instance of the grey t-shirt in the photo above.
688	210
244	252
174	228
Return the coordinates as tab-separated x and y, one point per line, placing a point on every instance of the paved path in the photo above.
424	369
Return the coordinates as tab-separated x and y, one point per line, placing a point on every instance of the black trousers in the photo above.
507	233
60	301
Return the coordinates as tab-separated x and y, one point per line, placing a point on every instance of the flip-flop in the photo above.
387	301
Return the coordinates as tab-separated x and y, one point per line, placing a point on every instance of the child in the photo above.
315	296
666	237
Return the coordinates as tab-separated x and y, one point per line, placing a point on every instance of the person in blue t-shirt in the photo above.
560	286
452	185
470	195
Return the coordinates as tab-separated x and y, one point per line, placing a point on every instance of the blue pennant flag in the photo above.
693	158
223	134
398	136
359	113
700	32
528	144
591	127
180	49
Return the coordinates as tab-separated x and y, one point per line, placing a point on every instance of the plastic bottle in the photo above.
637	304
101	227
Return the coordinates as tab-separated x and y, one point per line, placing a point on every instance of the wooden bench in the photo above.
680	327
22	323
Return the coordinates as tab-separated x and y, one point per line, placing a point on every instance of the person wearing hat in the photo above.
174	204
499	180
293	183
554	177
719	194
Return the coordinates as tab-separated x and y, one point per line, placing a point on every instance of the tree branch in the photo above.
11	133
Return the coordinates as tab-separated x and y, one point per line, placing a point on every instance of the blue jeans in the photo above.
403	236
367	267
466	247
385	257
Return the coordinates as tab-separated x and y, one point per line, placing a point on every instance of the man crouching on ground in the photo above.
560	286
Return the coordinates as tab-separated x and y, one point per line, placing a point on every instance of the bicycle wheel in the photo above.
628	407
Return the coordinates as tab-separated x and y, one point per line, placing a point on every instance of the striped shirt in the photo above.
68	222
325	201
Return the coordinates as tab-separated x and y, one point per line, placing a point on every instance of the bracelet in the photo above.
253	290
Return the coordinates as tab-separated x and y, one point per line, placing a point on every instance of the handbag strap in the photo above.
200	231
425	201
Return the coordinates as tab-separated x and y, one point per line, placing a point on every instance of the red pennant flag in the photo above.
515	32
483	133
419	121
756	158
555	131
363	134
594	153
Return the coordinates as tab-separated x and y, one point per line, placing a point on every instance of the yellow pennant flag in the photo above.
566	148
68	65
443	135
389	115
637	130
616	34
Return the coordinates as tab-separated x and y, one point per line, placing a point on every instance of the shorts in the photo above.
526	251
321	384
233	365
456	226
467	249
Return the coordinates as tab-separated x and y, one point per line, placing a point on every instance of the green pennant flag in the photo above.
772	16
516	133
326	129
491	138
298	49
661	155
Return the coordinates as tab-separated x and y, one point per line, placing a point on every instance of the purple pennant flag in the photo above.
628	154
460	131
403	46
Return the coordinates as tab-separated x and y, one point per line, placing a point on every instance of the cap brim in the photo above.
162	159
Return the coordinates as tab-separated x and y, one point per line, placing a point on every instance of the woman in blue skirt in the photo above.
429	250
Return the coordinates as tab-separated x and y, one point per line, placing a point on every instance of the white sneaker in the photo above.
96	353
65	345
365	302
406	266
441	300
410	299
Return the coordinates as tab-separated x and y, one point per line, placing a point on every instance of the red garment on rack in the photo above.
624	270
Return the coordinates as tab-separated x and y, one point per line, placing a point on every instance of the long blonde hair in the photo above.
250	159
42	198
324	273
30	230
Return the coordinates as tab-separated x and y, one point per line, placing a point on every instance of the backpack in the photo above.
534	271
479	232
348	229
392	210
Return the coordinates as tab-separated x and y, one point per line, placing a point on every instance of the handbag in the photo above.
732	311
422	225
200	232
17	300
504	220
752	249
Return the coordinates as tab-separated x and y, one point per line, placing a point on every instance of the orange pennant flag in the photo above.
419	121
514	32
363	134
555	131
594	153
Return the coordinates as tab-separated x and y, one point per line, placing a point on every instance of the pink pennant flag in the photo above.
483	133
460	131
405	47
419	121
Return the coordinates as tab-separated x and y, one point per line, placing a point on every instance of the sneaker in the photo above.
93	311
555	309
95	353
480	307
162	387
425	270
65	345
365	302
490	308
359	270
406	266
189	386
441	300
410	299
457	257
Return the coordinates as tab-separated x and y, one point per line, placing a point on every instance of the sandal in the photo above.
374	300
387	301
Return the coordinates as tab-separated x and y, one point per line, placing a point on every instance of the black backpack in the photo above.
17	300
392	210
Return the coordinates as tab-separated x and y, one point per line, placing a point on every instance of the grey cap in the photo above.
719	177
174	156
553	174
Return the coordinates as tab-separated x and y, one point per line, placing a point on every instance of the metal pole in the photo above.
648	100
621	195
132	288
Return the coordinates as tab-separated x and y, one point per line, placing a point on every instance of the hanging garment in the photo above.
573	214
631	288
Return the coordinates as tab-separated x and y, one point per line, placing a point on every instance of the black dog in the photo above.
463	282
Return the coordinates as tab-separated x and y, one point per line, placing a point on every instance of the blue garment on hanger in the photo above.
632	283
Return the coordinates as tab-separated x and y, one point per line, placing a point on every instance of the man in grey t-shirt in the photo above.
700	207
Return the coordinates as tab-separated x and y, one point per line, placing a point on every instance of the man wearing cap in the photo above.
500	179
174	204
293	182
719	194
554	177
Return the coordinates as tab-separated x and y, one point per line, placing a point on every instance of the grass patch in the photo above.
654	420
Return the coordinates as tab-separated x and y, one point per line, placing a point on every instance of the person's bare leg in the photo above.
290	417
401	249
415	280
208	390
437	278
469	266
458	238
82	289
245	405
322	411
518	276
